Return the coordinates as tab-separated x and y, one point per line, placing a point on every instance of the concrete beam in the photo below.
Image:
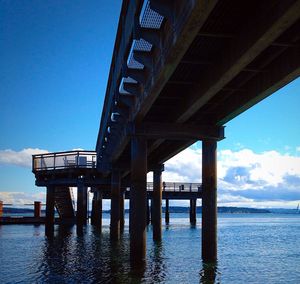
280	72
242	50
176	131
195	20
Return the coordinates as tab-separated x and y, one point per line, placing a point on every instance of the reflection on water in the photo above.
246	246
90	256
208	274
87	255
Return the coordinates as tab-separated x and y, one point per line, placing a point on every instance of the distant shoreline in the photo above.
180	209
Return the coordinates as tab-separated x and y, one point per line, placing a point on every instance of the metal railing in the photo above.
177	187
64	160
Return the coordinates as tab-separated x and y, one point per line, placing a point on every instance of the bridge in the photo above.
180	71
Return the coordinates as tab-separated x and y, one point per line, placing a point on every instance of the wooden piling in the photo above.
156	203
138	200
1	208
167	215
97	209
122	212
193	204
81	216
115	205
209	201
37	209
148	212
49	223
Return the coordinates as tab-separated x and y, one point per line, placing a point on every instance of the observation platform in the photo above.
70	168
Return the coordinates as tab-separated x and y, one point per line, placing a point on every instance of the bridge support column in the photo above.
50	197
156	203
167	215
81	215
148	212
37	209
138	200
1	208
97	209
209	201
115	205
193	204
122	212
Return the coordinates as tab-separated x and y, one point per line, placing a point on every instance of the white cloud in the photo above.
245	178
184	167
21	198
21	158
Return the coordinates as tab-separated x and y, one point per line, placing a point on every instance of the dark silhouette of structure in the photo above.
180	70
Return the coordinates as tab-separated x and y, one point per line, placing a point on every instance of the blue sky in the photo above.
54	63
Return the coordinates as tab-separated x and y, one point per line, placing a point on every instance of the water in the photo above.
253	248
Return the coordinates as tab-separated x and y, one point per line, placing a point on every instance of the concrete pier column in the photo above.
122	212
81	216
167	214
151	211
50	197
156	202
97	209
93	209
148	212
138	200
115	205
193	204
1	208
209	201
37	209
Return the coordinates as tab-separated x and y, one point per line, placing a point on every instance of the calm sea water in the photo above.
253	248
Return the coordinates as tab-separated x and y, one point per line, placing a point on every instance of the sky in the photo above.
54	61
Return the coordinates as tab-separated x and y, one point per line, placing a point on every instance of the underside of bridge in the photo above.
180	71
